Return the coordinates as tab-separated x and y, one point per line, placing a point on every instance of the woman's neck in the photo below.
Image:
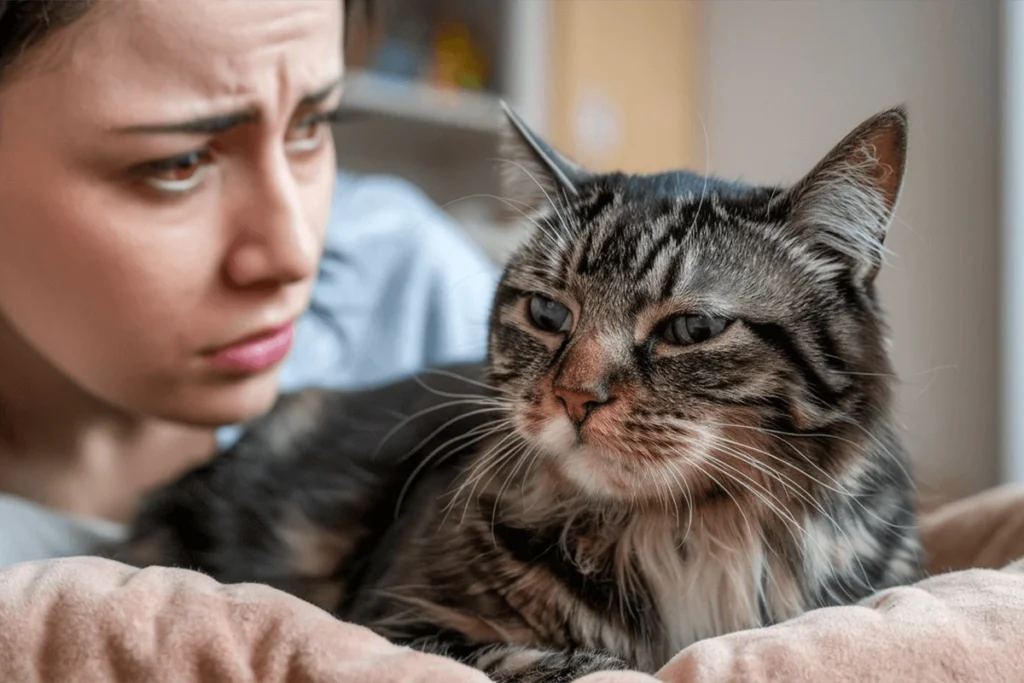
66	449
104	472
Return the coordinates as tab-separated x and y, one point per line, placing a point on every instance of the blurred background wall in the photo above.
746	89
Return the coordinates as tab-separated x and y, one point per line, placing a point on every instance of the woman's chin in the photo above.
220	404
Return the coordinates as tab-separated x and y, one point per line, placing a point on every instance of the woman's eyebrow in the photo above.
318	96
212	125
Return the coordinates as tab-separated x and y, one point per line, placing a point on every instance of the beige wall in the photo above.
784	80
636	60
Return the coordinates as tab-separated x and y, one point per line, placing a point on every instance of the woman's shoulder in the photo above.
387	218
29	531
400	288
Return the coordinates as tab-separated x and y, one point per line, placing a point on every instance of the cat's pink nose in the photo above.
579	404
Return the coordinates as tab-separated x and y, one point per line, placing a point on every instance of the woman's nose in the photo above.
275	243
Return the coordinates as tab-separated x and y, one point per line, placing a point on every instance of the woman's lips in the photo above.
255	354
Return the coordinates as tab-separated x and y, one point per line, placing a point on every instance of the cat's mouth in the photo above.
601	441
597	462
547	423
610	455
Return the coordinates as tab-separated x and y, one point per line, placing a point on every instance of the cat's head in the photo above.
675	330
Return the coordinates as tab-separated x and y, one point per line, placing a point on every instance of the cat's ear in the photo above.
848	200
532	171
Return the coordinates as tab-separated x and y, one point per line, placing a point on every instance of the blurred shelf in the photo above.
375	93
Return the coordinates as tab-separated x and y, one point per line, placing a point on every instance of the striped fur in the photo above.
602	495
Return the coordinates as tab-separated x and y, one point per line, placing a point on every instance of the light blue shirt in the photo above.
400	289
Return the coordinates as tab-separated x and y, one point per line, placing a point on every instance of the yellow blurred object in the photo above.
457	61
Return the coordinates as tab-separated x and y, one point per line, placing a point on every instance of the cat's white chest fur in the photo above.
715	585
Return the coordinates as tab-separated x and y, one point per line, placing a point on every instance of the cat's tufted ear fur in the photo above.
532	171
848	200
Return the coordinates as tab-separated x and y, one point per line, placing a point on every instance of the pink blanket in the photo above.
87	619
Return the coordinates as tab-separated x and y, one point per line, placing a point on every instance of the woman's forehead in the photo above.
134	61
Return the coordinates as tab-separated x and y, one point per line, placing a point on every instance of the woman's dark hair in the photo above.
23	23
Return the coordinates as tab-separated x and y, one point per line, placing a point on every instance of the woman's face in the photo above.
165	183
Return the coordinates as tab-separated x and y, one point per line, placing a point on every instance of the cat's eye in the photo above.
549	315
693	328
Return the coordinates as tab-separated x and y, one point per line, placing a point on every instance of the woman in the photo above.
168	190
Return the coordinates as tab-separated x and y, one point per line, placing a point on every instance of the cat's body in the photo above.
689	433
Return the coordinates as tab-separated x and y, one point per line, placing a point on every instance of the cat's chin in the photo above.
593	470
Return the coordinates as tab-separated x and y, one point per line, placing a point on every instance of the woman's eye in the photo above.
549	315
178	174
693	329
309	134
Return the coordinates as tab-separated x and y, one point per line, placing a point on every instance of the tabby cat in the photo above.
684	428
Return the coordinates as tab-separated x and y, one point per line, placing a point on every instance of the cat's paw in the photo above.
531	665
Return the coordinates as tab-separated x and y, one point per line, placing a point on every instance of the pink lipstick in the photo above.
255	354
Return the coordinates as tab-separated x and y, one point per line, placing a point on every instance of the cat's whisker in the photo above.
707	162
472	400
450	422
468	380
787	483
666	484
780	436
447	394
903	379
531	176
851	373
792	526
740	450
696	462
678	483
687	495
747	482
510	440
494	470
660	486
478	470
806	497
665	488
520	456
883	448
553	237
836	486
535	459
791	488
517	455
796	490
471	437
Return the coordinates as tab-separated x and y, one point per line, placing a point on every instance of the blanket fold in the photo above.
985	530
88	619
961	627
